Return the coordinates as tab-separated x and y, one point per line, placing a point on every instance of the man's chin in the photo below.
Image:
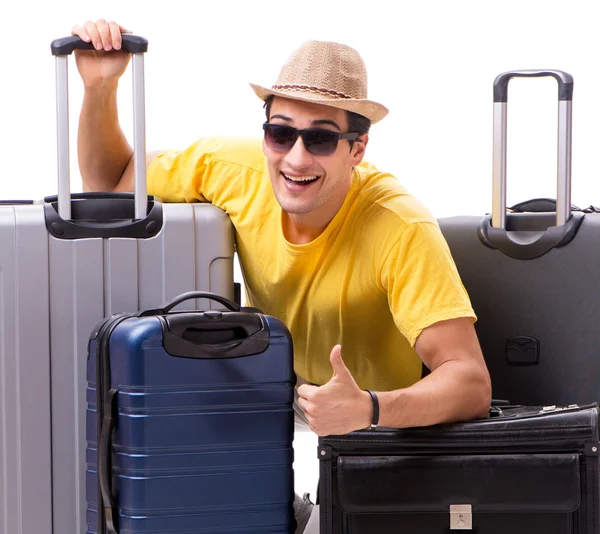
294	208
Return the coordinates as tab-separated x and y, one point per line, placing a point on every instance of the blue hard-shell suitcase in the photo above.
195	417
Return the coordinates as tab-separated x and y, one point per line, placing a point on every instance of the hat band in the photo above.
310	89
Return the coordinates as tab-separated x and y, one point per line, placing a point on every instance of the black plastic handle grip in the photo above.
246	324
103	215
565	82
134	44
111	512
95	195
229	304
215	335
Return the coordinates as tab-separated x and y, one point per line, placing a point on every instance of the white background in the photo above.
431	62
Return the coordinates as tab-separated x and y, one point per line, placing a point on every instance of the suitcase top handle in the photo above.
565	100
184	334
229	304
61	49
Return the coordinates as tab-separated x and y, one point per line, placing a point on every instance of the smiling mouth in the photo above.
302	180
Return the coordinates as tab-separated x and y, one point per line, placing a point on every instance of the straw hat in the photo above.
326	73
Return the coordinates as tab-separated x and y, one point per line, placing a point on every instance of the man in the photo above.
339	251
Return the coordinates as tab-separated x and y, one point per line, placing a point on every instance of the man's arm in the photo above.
105	156
458	387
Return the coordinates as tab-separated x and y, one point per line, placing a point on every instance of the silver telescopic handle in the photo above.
62	122
563	186
499	171
139	137
61	49
565	140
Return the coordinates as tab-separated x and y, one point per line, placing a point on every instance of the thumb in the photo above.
340	371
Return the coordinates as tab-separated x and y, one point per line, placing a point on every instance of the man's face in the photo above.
303	182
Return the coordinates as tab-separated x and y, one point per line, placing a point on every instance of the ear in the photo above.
358	149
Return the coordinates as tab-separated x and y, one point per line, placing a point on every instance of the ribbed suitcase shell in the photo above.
53	293
201	445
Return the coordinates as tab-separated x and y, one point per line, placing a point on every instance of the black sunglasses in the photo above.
318	142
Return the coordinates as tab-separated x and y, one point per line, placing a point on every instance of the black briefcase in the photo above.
520	470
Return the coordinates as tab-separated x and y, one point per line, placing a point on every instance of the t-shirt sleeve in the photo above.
422	281
210	170
178	175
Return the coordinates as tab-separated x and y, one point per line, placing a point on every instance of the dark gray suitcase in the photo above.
534	279
522	470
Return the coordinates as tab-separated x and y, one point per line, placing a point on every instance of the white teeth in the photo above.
300	178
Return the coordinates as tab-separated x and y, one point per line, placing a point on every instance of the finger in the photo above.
93	33
123	29
304	404
312	424
305	391
80	31
115	34
105	36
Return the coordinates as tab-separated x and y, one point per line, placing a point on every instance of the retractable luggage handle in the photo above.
565	101
61	49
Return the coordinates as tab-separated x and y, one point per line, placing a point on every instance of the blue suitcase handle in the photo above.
176	327
214	334
229	304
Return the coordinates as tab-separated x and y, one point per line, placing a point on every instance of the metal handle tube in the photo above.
563	188
62	121
139	137
499	167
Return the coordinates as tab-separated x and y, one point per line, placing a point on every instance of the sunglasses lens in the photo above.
280	137
320	142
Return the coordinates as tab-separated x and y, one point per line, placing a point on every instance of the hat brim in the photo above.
367	108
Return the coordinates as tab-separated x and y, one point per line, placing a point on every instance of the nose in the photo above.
298	157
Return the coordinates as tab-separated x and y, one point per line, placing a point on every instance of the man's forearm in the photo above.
103	150
455	391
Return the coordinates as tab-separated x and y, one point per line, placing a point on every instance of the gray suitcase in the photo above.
65	264
534	278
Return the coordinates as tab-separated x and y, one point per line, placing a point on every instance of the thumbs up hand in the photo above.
339	406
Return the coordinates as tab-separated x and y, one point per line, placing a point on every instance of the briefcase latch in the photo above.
460	517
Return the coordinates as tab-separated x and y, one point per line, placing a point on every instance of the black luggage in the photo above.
533	278
522	470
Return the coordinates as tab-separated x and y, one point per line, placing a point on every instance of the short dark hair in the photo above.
356	123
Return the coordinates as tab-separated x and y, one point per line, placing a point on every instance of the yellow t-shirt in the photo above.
378	275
